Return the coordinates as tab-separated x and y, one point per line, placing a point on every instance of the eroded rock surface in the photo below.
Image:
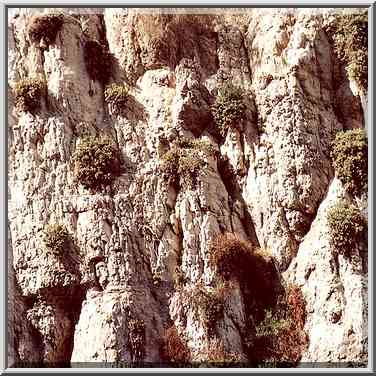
141	246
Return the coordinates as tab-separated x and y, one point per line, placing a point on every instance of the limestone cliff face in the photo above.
131	239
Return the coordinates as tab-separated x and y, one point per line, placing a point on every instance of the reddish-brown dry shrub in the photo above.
256	273
227	253
175	349
296	305
216	355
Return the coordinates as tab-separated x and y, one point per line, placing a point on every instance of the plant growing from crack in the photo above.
183	163
350	159
347	227
28	94
116	95
56	238
229	108
97	162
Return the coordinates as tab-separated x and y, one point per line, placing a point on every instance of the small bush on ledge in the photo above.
97	162
56	238
350	159
28	94
98	61
116	95
228	108
182	164
46	27
346	227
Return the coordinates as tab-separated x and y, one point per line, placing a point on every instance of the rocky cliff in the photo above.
135	279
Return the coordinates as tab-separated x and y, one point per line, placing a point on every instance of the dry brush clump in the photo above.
234	258
279	315
280	337
175	349
184	162
215	355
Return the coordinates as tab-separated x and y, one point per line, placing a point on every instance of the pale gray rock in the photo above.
141	246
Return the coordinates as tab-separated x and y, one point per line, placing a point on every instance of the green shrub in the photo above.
280	337
182	164
56	238
46	27
346	227
98	61
117	96
96	162
350	159
350	35
228	108
28	94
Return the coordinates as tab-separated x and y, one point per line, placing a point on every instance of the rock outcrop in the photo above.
140	248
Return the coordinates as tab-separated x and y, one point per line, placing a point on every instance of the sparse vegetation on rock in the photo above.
229	108
56	238
208	305
346	227
46	27
96	162
350	160
28	94
182	164
280	337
